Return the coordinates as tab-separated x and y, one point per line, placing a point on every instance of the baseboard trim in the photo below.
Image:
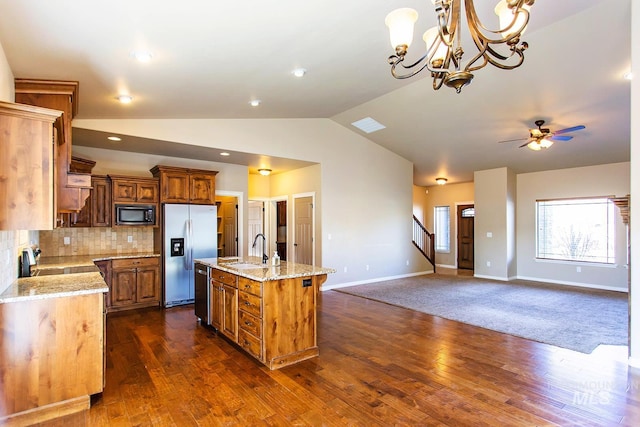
634	362
574	284
483	276
453	267
377	279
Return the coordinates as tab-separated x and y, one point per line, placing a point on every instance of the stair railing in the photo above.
424	241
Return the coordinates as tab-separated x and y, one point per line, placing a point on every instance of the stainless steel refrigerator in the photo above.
190	232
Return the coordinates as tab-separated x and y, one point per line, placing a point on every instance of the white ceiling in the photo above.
211	58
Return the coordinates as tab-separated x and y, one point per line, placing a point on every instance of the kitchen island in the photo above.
51	346
268	311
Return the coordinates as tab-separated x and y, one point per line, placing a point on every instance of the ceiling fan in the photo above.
543	137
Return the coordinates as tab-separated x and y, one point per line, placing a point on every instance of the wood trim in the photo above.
47	412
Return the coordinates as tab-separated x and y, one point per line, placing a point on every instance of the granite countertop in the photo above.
85	260
64	281
263	272
60	285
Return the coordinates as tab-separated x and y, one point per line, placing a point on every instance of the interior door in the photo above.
303	229
256	226
466	217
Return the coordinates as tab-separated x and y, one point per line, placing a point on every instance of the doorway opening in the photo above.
466	217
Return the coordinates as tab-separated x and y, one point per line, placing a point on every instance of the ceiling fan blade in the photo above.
525	144
573	129
512	140
561	138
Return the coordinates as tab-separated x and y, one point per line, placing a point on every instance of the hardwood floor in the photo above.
379	365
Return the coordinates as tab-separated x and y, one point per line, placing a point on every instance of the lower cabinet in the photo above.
52	357
273	321
135	283
223	303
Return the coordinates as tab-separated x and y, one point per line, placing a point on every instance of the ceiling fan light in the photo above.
400	23
546	143
534	145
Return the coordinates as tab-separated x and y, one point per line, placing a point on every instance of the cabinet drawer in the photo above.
251	286
250	304
135	262
250	344
250	324
224	277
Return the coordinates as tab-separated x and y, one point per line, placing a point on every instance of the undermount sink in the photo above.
246	265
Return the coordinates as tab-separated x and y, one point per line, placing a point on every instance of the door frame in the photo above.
458	230
313	226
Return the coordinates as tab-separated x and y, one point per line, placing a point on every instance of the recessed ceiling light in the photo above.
114	138
368	125
125	99
224	153
255	102
299	72
142	55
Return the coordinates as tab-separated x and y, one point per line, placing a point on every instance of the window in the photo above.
441	228
576	230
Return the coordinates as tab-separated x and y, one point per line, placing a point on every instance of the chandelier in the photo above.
444	57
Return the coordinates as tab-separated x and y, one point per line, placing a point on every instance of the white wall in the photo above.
366	190
494	227
602	180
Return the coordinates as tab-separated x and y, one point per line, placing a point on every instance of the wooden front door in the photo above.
466	216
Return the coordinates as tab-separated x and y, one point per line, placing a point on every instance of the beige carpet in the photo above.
565	316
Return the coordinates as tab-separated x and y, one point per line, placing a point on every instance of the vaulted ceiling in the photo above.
211	58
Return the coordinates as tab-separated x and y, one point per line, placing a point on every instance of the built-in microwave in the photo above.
135	214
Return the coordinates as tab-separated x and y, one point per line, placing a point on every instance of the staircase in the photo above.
424	241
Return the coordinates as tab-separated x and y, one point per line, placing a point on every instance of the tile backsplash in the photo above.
96	241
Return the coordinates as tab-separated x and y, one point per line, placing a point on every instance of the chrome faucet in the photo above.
264	247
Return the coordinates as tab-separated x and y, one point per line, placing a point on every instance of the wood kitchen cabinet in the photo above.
135	283
52	357
97	209
180	185
134	190
105	270
223	303
27	167
100	201
71	188
277	319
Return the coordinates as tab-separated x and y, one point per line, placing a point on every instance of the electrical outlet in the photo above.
345	269
578	269
67	240
367	267
130	239
488	263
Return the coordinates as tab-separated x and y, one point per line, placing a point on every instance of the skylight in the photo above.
368	125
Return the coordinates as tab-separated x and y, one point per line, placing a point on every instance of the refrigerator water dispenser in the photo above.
177	247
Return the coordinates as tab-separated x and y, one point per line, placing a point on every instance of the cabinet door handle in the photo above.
246	322
247	303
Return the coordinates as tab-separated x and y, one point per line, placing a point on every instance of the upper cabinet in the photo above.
26	167
180	185
134	190
71	188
